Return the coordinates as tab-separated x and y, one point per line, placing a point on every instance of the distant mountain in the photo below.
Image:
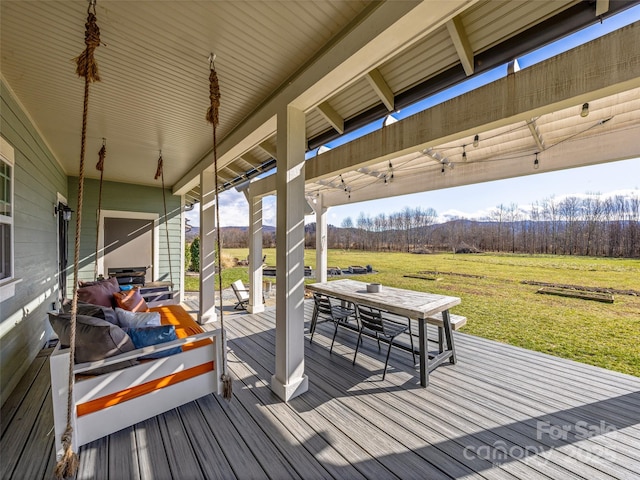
194	232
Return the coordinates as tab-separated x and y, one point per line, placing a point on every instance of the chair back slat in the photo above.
323	304
371	318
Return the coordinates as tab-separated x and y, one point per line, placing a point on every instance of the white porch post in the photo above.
289	380
183	221
255	254
207	248
321	239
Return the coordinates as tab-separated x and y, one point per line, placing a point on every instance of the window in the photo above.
6	211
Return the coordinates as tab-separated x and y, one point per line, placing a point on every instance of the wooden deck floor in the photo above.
501	412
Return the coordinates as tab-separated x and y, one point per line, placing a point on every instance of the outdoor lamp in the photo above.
66	212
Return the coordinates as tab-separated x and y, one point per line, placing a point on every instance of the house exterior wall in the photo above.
38	179
124	197
39	182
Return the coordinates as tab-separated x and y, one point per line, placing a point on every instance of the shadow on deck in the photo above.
501	412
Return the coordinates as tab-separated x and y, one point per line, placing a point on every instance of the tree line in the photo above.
575	225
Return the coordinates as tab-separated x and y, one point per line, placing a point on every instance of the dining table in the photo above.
413	304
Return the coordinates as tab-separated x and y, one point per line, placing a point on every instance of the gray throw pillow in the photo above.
96	339
91	310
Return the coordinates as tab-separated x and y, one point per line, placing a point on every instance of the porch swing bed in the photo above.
122	390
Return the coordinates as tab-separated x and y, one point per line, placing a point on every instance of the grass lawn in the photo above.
499	307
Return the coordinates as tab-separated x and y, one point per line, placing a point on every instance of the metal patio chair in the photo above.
372	319
324	310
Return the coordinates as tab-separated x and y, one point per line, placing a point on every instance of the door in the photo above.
64	216
128	242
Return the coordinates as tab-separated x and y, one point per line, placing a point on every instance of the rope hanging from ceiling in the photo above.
160	174
86	67
212	118
102	154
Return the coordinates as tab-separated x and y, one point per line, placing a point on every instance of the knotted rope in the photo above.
160	174
212	118
99	166
86	67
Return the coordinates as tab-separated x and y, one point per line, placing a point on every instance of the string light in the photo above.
585	110
476	140
536	163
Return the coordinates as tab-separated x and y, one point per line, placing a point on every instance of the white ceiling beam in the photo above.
268	149
233	172
535	133
331	116
599	68
380	86
461	43
373	173
384	30
602	67
602	7
574	153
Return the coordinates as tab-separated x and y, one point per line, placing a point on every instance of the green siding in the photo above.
37	180
128	198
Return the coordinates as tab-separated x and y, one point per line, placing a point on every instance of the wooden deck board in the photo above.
28	421
299	444
397	414
151	452
123	456
340	442
350	424
205	443
180	454
14	401
333	386
94	460
37	453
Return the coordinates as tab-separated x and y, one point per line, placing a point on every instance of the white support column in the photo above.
289	380
183	220
207	248
255	254
321	239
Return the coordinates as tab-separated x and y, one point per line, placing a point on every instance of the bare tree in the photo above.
347	225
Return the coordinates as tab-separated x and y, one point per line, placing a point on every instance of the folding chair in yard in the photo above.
242	294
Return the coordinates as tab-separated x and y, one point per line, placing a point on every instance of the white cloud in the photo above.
234	210
525	210
453	214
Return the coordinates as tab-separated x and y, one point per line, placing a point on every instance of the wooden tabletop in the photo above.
408	303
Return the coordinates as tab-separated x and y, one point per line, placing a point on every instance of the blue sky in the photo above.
475	201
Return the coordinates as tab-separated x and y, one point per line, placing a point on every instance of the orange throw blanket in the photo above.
185	327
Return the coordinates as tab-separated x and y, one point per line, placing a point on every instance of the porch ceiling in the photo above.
343	62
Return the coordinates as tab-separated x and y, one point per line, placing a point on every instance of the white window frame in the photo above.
7	284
